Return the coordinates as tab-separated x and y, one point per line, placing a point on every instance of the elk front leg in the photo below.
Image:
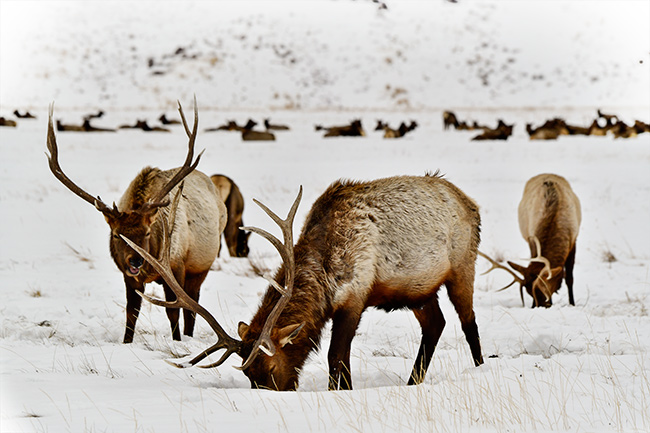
432	323
133	303
344	326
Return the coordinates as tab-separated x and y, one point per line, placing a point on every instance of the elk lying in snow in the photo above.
549	220
198	224
354	129
236	238
389	243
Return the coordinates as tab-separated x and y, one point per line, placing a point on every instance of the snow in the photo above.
582	368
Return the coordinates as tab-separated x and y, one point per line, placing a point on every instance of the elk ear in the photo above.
288	333
242	329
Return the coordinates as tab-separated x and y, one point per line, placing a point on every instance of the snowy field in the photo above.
580	369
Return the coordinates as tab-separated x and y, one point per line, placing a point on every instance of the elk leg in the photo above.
461	294
133	303
192	288
432	323
344	326
173	313
568	274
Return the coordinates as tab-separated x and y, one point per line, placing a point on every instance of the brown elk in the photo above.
236	238
501	132
199	222
449	119
389	243
353	129
8	122
272	126
549	220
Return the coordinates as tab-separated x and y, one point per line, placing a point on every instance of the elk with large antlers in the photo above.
140	214
390	244
549	220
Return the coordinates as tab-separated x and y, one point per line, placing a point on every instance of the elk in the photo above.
389	243
140	214
236	238
549	220
449	119
501	132
272	126
353	129
8	122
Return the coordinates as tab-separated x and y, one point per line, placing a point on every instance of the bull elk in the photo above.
549	220
389	243
236	238
142	210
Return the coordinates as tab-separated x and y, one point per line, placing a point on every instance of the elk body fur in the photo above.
236	238
550	212
390	244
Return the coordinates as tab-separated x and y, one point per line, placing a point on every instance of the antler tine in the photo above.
187	167
57	171
183	300
496	265
539	258
285	249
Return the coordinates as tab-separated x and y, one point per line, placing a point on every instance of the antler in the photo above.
496	265
539	258
285	249
53	159
159	200
183	300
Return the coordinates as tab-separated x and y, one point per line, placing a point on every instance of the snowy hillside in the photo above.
325	54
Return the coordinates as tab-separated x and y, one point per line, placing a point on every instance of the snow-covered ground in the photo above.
582	368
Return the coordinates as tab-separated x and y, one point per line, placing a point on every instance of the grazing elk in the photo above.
549	220
389	243
449	119
236	238
140	214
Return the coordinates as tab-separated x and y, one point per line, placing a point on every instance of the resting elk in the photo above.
200	219
236	238
389	243
549	220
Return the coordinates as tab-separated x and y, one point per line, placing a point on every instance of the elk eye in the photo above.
116	236
146	235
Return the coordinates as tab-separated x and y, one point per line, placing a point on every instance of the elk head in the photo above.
539	279
135	223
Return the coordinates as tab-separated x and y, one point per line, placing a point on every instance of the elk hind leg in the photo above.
432	323
192	288
568	275
461	293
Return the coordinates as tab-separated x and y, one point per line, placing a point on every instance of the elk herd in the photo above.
388	243
551	129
